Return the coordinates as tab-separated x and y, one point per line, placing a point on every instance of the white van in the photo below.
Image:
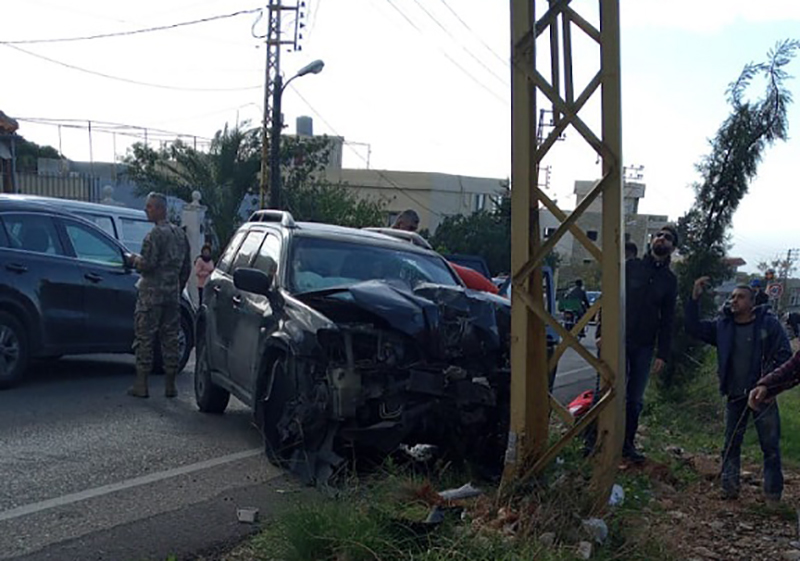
128	225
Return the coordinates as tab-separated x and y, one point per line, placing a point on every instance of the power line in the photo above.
463	47
127	80
133	31
478	37
466	72
388	179
108	126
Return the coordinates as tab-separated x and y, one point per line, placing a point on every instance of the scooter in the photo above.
570	318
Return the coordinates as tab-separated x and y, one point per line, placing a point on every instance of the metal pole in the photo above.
275	145
264	128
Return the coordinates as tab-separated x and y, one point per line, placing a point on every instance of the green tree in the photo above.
28	154
736	151
227	177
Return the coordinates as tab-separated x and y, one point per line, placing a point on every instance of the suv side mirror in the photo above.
252	280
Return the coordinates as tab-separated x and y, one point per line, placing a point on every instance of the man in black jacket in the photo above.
651	291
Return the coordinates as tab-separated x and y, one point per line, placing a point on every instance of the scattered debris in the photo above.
247	515
419	452
596	528
617	495
547	539
585	550
466	491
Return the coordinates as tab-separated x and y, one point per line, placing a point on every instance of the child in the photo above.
203	266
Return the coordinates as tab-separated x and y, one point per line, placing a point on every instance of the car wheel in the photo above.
210	397
13	350
273	412
185	344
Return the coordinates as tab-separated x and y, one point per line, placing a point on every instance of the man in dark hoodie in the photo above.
750	342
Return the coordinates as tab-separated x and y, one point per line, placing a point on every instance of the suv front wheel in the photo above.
13	350
210	397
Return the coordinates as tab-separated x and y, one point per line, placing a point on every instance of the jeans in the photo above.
637	361
768	426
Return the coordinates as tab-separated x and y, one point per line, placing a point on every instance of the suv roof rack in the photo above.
412	237
270	215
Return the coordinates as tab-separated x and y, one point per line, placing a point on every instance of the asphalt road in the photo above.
89	473
574	375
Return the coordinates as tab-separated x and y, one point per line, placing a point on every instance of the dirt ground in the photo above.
698	524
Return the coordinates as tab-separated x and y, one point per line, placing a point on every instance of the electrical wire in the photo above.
127	80
108	126
133	31
463	47
388	179
478	37
466	72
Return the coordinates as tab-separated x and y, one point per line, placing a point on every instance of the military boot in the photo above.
169	385
139	387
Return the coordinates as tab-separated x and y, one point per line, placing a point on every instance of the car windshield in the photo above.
317	264
133	232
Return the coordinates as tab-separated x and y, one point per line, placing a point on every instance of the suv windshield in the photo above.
317	264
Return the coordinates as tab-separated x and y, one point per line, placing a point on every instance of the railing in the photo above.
77	187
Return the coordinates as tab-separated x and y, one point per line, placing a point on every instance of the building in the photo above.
8	130
638	227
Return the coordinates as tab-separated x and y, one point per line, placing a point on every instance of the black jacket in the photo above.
651	291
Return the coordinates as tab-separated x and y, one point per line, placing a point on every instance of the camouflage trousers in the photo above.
157	322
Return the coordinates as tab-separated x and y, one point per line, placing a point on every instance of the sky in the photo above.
420	85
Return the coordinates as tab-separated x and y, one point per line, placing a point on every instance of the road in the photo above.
89	473
574	375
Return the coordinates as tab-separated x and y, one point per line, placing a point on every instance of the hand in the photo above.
699	284
658	366
757	397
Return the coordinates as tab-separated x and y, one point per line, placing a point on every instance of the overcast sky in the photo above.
423	83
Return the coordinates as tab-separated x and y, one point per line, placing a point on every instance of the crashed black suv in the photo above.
344	340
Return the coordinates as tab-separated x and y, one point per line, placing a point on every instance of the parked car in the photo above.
128	225
340	338
64	289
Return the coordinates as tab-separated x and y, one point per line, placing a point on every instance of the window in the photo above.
91	246
270	249
592	235
249	247
32	232
480	202
549	232
227	257
103	222
133	232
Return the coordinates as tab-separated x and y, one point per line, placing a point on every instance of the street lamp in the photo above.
314	67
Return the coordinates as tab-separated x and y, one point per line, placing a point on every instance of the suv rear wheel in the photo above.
210	397
13	350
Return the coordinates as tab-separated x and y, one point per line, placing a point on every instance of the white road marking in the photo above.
127	484
574	371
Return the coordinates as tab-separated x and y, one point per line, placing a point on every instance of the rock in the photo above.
793	555
584	550
248	515
547	539
677	514
617	495
746	526
705	553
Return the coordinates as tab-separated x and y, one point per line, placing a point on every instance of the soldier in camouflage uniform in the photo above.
164	266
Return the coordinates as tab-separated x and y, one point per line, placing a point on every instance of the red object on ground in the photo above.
581	404
474	280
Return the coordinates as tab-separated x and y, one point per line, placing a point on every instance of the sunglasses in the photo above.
666	235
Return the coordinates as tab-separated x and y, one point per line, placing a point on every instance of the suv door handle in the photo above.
217	288
17	268
94	277
236	299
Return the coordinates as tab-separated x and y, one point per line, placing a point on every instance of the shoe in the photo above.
170	390
633	456
133	391
729	494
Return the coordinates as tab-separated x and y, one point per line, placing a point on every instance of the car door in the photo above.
253	313
36	272
109	286
217	301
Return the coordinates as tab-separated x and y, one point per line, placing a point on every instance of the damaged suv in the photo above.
345	340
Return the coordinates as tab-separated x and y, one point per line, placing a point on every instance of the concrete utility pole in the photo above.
528	449
272	116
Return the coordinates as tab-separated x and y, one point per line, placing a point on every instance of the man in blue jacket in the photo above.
750	342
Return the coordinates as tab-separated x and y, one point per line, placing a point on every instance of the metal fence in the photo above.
73	186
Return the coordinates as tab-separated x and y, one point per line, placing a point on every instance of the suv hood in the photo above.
429	313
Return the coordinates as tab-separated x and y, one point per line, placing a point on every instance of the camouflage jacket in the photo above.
164	265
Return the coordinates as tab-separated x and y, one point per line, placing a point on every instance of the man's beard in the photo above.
661	251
